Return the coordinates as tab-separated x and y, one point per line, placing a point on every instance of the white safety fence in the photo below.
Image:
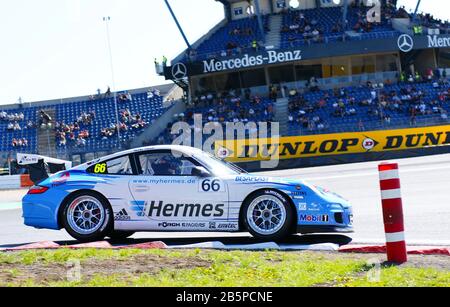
10	182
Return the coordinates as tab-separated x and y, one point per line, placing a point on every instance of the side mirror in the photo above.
200	171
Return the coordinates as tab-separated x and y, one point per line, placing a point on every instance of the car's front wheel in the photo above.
87	217
268	215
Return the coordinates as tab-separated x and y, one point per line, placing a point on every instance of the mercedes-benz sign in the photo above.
179	71
405	43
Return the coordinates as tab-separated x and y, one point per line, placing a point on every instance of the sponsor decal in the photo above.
223	226
166	225
162	181
246	61
228	226
314	207
253	179
335	144
369	144
122	216
302	206
24	160
161	209
299	193
222	153
182	225
274	193
314	218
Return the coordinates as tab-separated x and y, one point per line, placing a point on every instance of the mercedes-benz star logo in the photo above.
405	43
179	71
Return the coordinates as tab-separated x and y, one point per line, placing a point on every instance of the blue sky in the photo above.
57	48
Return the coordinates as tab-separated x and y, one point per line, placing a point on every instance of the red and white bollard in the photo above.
393	212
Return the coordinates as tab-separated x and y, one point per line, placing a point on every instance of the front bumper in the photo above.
323	229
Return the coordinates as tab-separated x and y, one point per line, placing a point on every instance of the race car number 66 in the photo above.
211	185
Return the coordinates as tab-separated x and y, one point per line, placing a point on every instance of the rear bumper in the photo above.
40	212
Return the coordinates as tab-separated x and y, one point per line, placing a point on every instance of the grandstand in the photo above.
318	68
73	129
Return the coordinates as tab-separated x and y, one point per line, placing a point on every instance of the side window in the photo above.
165	164
119	166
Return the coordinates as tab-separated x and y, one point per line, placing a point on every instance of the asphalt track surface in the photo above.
425	189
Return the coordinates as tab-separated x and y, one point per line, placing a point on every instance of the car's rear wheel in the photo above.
120	235
268	215
87	217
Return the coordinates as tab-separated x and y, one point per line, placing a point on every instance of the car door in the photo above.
111	180
171	198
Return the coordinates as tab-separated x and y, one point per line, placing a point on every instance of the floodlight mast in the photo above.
416	10
108	37
178	25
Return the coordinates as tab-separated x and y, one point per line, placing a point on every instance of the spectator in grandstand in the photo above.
44	119
62	141
84	134
122	98
30	125
108	92
17	127
313	84
255	45
81	142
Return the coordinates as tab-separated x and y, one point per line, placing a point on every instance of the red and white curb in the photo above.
161	245
382	249
259	247
327	247
96	245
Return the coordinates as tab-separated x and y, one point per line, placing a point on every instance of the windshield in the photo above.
219	167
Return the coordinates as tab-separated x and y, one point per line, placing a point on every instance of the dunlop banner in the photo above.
333	144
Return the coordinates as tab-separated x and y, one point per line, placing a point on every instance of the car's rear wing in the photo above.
40	167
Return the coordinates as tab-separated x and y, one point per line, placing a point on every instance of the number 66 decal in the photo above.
211	185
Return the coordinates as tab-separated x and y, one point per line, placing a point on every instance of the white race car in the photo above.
179	189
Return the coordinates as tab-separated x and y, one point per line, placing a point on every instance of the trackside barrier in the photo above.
15	182
25	181
393	212
10	182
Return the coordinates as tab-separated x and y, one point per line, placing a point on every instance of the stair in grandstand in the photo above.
281	114
273	37
46	136
184	84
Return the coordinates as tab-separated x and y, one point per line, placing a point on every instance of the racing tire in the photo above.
117	235
87	217
268	215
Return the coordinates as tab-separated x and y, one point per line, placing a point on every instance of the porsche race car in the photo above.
179	189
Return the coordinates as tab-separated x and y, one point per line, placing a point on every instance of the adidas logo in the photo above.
122	216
